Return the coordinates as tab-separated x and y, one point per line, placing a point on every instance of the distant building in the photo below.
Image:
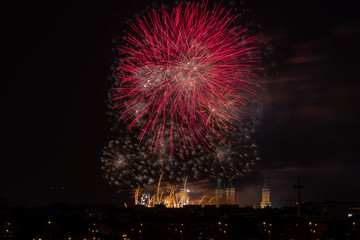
219	193
265	194
230	193
224	195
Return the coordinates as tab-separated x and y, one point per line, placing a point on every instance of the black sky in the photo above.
54	81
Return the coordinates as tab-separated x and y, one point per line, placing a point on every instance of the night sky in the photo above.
56	59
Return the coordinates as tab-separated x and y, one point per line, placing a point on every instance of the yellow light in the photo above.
310	223
49	222
264	223
219	223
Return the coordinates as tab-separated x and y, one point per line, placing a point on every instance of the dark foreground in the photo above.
318	221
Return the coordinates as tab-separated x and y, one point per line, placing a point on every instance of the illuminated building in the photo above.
224	195
219	193
230	193
265	195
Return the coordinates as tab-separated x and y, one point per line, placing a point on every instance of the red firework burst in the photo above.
184	75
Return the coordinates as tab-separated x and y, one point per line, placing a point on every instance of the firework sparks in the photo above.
184	75
126	163
170	197
183	98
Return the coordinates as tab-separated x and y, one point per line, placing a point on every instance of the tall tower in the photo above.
230	193
265	194
219	193
298	202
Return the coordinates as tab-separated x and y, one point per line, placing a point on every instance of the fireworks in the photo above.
170	197
126	163
184	76
182	99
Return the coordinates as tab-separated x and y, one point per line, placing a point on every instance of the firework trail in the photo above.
184	76
173	196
